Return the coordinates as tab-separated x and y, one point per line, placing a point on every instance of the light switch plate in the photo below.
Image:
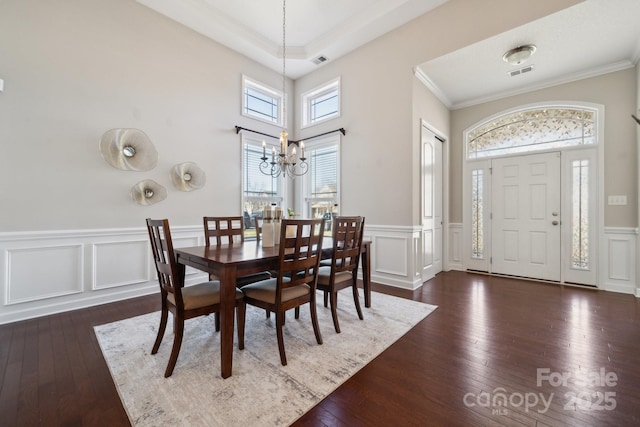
617	200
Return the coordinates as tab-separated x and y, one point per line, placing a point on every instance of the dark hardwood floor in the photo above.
489	341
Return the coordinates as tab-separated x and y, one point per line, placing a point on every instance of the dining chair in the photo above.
295	283
184	302
342	270
219	230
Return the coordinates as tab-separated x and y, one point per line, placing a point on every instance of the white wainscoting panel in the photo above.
455	246
121	263
49	272
618	266
58	272
393	255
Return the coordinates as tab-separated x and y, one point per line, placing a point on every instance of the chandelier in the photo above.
286	162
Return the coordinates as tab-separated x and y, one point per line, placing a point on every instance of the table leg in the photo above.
227	310
365	257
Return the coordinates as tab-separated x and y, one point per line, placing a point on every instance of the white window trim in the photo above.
309	95
261	87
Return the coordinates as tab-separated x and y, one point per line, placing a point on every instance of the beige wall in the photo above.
75	69
381	101
617	92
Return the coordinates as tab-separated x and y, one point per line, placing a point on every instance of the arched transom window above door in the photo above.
534	129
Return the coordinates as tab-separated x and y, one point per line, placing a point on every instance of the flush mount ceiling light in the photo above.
518	55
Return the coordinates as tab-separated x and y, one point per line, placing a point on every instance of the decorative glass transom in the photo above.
532	130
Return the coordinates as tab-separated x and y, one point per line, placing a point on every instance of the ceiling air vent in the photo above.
521	71
320	59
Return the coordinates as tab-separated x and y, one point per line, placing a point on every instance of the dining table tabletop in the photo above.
230	261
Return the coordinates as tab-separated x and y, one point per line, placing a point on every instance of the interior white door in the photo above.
526	216
431	204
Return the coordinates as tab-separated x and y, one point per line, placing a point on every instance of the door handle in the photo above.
554	222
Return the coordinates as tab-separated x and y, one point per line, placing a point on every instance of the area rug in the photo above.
261	392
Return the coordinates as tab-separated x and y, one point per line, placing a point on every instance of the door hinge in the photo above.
491	260
490	215
490	171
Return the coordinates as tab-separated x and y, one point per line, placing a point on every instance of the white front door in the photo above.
431	204
526	216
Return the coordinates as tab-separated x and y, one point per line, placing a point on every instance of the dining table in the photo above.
230	261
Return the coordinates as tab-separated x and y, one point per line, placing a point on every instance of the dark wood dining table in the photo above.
230	261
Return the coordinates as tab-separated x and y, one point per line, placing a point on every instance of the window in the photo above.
477	214
261	102
322	182
321	104
258	190
580	214
531	130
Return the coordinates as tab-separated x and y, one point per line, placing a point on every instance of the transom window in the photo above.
321	104
532	130
261	102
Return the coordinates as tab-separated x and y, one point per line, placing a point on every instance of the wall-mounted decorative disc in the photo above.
128	149
188	176
148	192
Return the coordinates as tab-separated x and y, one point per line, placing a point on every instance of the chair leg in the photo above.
314	321
326	298
163	326
217	317
279	324
356	299
241	314
178	328
334	310
268	314
297	311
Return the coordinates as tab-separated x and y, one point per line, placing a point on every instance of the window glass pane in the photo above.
321	182
580	214
324	172
477	214
255	182
324	106
322	103
261	102
530	130
261	105
259	190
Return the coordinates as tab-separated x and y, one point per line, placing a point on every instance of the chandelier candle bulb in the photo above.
264	149
302	149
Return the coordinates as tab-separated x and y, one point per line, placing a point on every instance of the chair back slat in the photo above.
164	257
300	254
347	243
223	230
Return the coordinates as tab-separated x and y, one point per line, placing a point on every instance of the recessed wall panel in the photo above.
121	263
44	272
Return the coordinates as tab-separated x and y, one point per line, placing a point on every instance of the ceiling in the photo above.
588	39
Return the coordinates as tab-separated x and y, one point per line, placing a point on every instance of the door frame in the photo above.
468	165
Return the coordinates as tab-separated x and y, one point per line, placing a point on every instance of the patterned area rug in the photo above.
261	392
